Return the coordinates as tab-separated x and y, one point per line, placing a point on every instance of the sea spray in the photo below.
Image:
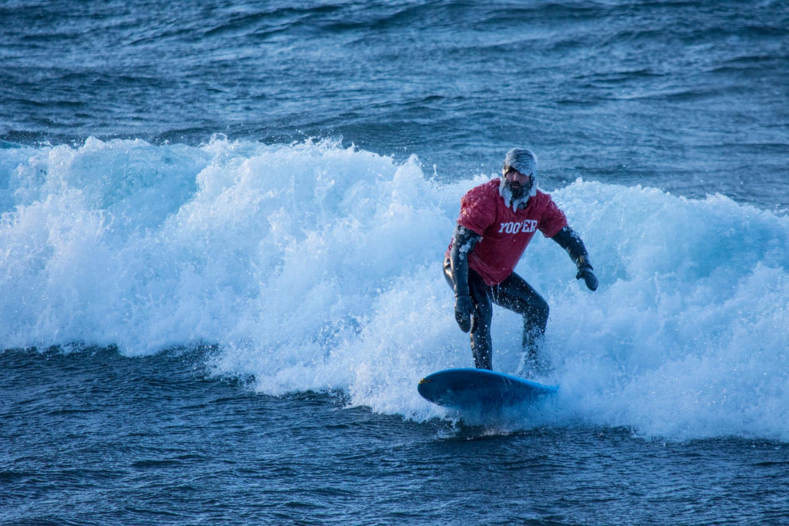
317	267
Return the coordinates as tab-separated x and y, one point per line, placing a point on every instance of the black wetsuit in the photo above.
513	293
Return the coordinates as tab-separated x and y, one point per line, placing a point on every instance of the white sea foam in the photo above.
318	267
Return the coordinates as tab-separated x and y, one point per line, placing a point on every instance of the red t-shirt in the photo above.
505	233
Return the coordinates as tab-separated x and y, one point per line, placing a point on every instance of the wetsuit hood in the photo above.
525	161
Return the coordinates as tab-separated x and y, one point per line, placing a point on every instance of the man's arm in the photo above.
571	242
463	241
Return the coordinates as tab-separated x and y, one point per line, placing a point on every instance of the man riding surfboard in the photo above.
497	221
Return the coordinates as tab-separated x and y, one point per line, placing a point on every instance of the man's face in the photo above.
517	182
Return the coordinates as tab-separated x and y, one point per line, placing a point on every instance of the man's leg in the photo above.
516	295
481	346
481	343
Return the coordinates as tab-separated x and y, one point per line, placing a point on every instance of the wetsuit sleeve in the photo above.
462	242
571	242
477	212
552	220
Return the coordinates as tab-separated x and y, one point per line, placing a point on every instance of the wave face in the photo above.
316	267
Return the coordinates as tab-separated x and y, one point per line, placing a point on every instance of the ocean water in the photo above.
221	234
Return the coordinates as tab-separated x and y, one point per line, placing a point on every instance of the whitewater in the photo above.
310	266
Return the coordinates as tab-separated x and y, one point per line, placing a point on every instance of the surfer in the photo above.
497	220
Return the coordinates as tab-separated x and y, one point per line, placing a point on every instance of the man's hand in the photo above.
465	313
585	272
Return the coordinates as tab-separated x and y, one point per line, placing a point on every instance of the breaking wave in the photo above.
316	267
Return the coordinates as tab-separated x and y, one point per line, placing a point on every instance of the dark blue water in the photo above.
98	438
220	239
682	95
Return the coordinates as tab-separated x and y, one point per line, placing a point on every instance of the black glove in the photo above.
465	313
585	271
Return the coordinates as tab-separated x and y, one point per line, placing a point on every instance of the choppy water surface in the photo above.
220	245
153	440
687	96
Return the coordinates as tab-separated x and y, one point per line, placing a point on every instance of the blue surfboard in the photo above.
480	389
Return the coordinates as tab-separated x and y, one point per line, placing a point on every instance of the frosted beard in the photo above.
516	197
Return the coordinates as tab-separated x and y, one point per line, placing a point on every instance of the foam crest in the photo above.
314	266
